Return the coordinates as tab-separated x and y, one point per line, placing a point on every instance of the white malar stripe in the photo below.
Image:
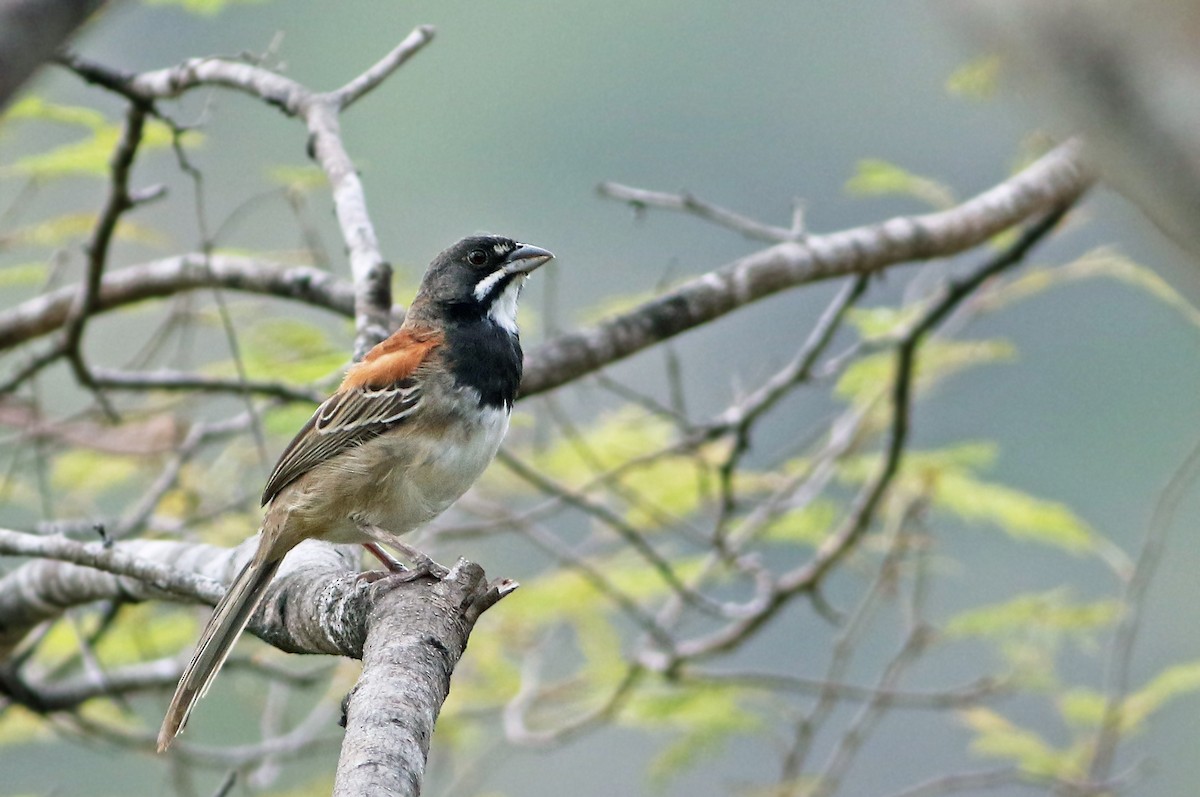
504	309
485	285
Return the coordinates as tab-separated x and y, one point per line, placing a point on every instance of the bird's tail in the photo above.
216	643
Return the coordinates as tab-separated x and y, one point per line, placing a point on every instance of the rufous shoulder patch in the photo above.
393	359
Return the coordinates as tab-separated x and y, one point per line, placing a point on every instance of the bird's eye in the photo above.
477	257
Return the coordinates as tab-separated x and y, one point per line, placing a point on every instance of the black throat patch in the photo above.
487	358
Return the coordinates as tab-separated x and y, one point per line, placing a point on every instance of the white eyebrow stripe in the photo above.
485	285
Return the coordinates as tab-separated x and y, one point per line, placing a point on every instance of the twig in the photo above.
1058	178
1120	658
687	203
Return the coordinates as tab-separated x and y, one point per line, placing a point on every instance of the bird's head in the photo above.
478	278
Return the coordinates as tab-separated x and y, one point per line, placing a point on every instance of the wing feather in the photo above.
378	394
346	419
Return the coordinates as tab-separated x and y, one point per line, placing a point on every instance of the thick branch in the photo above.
411	650
48	312
1055	179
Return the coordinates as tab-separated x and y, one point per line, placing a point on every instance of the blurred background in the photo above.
507	123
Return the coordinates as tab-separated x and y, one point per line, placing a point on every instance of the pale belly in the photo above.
396	483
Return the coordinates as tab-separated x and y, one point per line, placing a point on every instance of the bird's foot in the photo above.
422	564
393	564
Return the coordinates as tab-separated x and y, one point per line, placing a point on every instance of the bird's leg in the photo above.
390	562
422	564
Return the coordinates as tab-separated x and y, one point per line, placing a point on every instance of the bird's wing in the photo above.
377	395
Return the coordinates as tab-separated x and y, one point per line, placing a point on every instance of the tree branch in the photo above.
411	649
1057	178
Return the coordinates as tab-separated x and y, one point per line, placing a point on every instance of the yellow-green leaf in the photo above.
875	177
997	737
204	8
1033	613
977	79
84	472
1018	514
862	382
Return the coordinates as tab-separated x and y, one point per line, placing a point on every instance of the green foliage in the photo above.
1085	708
703	717
1025	614
300	179
613	305
205	8
618	439
1099	263
71	227
869	377
85	473
1030	629
19	726
977	79
87	157
291	350
1014	512
806	525
998	737
22	275
874	177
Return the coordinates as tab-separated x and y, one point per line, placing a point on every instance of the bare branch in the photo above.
167	277
202	383
1058	177
115	204
412	44
687	203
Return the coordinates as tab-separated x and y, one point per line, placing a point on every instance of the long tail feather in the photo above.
216	643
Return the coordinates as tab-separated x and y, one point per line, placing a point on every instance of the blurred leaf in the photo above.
616	438
23	274
707	717
868	377
89	157
33	107
73	227
612	305
1082	707
1170	683
89	473
145	631
977	79
1097	263
880	178
1085	707
1018	514
566	592
875	323
301	179
205	8
292	350
287	420
807	525
111	714
997	737
19	725
1033	613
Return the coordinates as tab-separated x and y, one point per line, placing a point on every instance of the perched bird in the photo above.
412	426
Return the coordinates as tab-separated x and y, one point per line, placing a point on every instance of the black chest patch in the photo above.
487	358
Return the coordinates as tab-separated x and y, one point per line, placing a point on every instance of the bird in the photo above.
412	426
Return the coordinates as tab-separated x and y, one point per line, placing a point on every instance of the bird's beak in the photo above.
526	258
